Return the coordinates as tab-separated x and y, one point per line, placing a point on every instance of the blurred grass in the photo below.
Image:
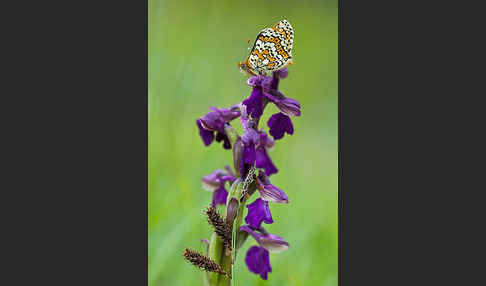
193	50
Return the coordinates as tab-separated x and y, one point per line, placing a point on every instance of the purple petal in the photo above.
281	73
264	161
212	181
227	178
272	194
219	196
287	105
258	261
260	81
252	81
212	121
266	141
271	242
206	135
244	115
274	243
258	211
249	155
226	114
257	236
280	124
254	103
250	136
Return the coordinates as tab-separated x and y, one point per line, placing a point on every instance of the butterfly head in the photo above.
242	66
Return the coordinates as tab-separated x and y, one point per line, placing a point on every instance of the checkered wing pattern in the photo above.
272	49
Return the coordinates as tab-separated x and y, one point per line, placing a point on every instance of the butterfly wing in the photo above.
285	30
272	48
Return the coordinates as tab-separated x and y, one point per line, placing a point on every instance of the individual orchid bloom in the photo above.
258	257
215	121
215	182
255	103
266	89
251	149
258	212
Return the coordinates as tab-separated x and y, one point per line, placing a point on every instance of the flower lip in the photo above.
219	196
258	212
258	261
280	124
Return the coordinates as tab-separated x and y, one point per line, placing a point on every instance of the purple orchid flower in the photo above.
252	149
258	257
215	182
266	89
255	103
215	121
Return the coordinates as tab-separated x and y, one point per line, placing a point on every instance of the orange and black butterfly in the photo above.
271	51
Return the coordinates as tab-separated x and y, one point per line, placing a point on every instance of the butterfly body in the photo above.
272	50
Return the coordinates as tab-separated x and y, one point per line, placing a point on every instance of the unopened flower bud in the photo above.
238	149
231	211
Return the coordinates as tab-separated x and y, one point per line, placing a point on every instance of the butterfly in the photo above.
272	50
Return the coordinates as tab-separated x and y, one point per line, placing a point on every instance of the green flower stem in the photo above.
215	253
225	280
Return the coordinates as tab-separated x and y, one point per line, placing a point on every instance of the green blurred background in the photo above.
193	48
